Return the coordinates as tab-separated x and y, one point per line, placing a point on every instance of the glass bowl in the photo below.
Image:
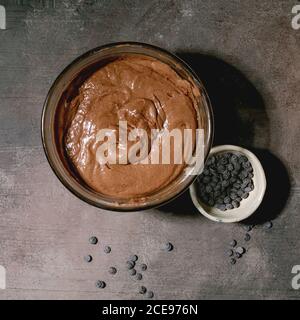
52	136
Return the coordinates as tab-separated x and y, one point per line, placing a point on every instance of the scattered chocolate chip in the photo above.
238	255
247	237
93	240
240	250
112	270
138	276
100	284
149	295
233	243
247	228
130	265
142	290
107	249
268	225
229	253
143	267
133	258
168	247
88	258
132	272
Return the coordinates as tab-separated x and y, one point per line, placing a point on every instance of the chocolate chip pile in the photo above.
226	181
132	266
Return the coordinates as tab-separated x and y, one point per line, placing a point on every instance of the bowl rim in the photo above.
87	55
255	162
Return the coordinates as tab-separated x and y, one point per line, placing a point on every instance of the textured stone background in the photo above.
247	55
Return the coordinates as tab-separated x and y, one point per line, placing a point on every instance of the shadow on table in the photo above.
277	192
181	206
240	116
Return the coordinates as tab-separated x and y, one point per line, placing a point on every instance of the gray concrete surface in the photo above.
247	54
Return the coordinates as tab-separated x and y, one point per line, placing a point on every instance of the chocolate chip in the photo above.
107	249
233	195
223	161
208	189
247	228
237	185
247	237
251	186
225	183
112	270
229	253
221	168
93	240
245	195
134	258
240	193
248	190
227	175
238	255
149	295
240	250
233	243
211	202
138	276
206	172
143	267
206	179
100	284
142	290
229	206
230	167
246	164
88	258
132	272
168	247
227	200
235	204
268	225
234	158
130	265
221	207
250	175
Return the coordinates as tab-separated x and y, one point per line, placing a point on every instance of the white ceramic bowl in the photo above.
248	206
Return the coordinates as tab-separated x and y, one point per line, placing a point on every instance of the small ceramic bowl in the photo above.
248	206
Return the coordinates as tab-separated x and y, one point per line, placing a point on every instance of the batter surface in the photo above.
147	94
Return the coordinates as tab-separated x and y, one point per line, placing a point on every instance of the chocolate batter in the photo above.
147	94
